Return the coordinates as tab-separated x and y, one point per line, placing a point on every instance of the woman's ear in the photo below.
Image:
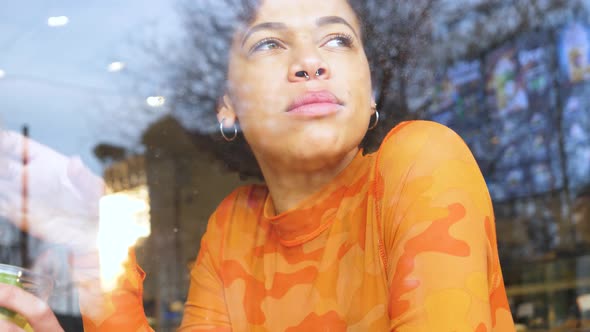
225	111
373	106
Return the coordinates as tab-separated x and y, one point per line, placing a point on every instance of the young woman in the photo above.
401	239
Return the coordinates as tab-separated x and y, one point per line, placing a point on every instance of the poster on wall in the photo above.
505	89
574	52
535	54
466	77
521	103
458	95
507	102
576	130
458	104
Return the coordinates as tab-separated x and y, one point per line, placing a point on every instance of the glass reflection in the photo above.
511	78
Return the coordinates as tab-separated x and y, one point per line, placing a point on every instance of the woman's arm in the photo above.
120	309
205	308
439	235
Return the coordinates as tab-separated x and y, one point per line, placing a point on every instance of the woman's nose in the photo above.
310	67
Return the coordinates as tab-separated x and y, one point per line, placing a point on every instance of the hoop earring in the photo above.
376	121
229	139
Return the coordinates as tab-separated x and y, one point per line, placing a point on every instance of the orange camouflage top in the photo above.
402	240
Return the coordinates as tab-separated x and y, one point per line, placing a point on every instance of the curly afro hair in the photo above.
200	80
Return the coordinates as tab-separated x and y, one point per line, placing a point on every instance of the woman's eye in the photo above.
266	45
339	41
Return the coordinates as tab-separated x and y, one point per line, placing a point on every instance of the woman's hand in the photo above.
34	310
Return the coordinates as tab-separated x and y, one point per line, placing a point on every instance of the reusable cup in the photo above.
33	283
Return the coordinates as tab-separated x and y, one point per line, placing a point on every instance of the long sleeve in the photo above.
205	308
439	235
118	310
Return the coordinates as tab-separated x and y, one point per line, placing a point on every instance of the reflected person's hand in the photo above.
62	194
34	310
63	208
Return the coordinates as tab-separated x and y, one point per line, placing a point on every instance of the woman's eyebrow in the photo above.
263	26
326	20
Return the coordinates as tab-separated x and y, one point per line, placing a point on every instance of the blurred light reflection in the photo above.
124	219
57	21
156	101
116	66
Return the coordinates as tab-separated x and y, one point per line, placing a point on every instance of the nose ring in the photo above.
302	73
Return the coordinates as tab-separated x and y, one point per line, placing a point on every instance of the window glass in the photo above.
110	139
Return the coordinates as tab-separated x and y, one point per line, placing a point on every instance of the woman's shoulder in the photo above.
416	132
418	141
422	149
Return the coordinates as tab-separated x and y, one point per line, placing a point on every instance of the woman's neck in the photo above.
290	187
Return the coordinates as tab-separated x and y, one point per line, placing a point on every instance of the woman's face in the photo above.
299	83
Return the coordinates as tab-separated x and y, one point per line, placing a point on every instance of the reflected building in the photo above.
185	186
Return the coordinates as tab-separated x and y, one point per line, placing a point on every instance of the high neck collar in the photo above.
316	213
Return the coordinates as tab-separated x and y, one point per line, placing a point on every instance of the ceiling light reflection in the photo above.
58	21
156	101
2	73
116	66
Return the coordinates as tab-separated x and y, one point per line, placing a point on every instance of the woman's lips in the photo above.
315	104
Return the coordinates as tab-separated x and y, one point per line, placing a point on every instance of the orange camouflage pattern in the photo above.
402	240
122	308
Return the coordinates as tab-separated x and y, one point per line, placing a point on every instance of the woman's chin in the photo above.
310	149
318	155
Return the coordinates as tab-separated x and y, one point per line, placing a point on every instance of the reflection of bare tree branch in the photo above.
474	29
396	40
